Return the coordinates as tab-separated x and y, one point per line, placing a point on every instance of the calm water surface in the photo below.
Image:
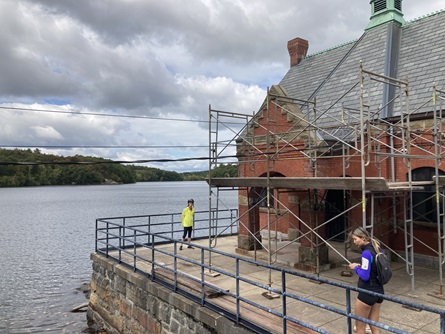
47	236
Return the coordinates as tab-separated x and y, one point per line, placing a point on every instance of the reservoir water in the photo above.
47	236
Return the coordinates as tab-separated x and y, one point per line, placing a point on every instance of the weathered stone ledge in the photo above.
123	301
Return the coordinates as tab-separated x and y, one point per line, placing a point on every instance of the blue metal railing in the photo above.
165	225
134	243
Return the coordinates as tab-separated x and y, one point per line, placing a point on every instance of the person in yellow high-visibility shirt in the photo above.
187	219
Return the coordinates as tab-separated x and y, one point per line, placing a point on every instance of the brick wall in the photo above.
291	162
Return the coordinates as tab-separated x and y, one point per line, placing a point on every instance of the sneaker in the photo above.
190	247
367	330
180	247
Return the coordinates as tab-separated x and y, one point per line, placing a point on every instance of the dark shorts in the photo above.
368	299
187	232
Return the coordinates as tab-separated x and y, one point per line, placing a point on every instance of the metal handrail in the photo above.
115	240
170	224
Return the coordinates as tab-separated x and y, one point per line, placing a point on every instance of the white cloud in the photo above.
46	132
166	59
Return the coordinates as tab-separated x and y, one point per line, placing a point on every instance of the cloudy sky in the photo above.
133	79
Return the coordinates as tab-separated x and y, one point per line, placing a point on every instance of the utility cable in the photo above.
103	146
33	163
87	113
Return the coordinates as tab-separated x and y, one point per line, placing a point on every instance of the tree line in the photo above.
40	169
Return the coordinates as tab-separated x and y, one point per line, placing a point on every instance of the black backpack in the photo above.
384	271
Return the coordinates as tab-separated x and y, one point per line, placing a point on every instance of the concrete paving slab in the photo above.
337	325
431	328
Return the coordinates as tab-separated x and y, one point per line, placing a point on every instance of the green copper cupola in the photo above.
384	11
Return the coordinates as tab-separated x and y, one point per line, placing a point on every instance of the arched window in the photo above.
263	198
424	202
262	193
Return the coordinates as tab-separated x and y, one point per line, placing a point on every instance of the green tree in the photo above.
48	169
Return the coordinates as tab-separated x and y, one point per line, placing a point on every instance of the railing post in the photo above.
152	257
134	250
202	278
237	290
348	310
283	289
231	221
124	234
442	323
172	222
95	237
108	238
149	224
148	233
175	266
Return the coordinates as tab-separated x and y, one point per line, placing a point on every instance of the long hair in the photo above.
362	233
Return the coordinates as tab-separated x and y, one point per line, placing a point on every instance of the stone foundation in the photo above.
123	301
307	258
247	242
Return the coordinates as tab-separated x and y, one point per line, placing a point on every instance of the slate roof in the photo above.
334	73
422	57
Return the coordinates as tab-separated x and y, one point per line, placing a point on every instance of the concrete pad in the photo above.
431	328
310	314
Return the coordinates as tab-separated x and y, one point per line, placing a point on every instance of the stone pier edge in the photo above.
123	301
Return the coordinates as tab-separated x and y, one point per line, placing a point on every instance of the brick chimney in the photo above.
297	48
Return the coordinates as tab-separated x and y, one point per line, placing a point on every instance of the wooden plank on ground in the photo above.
255	315
188	282
248	312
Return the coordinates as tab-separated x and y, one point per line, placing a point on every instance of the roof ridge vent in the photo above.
384	11
440	11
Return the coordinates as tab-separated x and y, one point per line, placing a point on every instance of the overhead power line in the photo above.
32	163
86	113
103	146
237	156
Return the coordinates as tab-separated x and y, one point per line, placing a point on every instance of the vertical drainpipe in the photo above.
390	70
391	62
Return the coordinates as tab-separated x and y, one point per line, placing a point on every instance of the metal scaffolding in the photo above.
350	136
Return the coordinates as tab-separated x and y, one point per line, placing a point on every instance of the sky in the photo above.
133	80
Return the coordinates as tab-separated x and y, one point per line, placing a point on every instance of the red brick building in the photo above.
352	136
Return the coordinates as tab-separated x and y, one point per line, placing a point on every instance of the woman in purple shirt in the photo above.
367	306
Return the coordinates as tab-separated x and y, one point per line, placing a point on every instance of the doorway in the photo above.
334	205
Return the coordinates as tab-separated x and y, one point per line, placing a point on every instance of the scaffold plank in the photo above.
351	183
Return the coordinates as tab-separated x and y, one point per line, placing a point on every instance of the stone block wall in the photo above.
123	301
